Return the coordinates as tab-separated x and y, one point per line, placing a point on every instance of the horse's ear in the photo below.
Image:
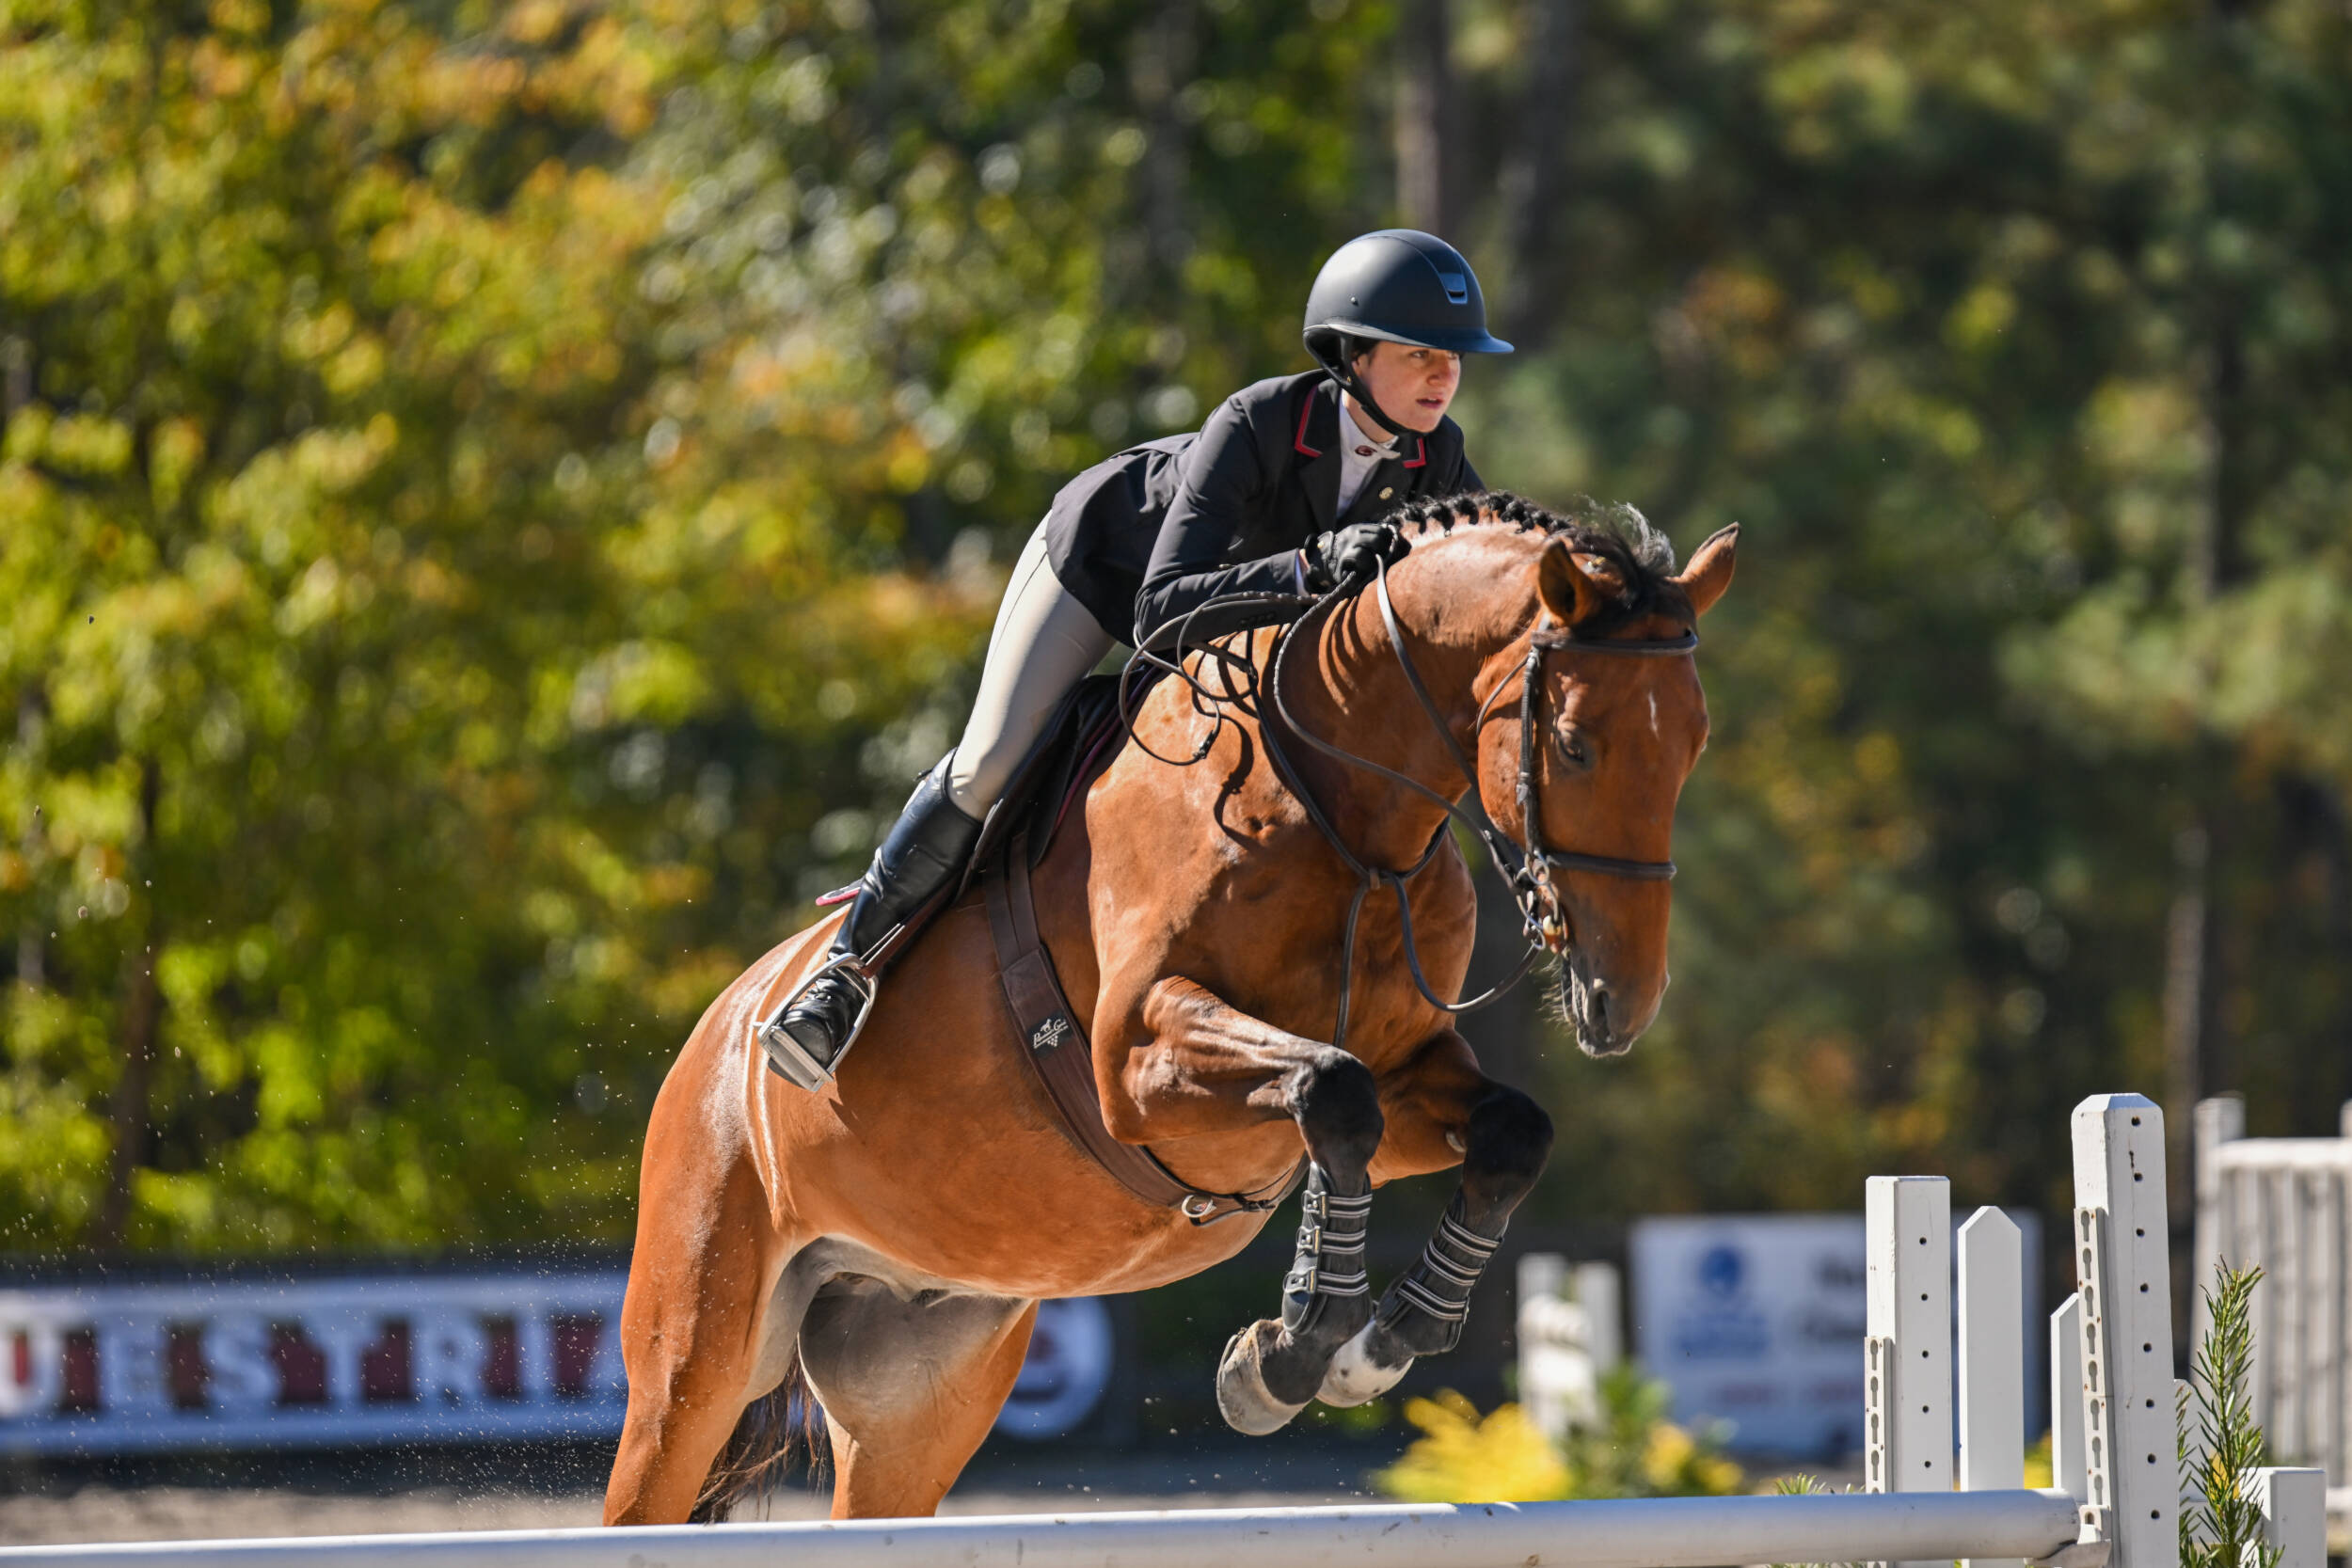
1572	590
1709	572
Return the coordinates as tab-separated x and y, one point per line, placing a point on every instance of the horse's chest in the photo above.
1278	931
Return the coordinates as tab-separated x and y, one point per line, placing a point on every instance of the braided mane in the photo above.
1642	558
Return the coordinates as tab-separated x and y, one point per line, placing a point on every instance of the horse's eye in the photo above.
1574	748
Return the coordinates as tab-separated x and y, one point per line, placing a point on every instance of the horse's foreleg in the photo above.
1440	1105
1209	1067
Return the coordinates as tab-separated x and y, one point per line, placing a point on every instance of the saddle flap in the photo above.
1063	1057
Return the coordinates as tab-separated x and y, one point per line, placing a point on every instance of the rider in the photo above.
1274	494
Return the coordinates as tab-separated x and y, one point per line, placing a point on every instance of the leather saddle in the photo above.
1088	730
1077	746
1080	741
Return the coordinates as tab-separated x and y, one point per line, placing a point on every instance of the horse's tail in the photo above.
775	1429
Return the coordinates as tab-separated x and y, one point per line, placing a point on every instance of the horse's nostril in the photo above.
1601	1003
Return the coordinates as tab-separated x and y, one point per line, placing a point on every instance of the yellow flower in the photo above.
1460	1458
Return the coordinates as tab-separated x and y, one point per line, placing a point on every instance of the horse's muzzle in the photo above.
1605	1023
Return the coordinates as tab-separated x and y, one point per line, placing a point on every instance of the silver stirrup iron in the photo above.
784	1053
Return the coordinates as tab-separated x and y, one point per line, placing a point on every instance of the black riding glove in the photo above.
1355	551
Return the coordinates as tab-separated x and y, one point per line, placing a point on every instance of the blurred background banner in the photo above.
497	501
1757	1321
357	1360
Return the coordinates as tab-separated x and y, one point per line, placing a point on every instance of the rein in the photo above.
1526	865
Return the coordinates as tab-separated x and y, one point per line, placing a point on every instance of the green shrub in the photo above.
2222	1524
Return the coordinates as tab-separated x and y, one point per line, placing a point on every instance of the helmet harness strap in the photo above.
1343	376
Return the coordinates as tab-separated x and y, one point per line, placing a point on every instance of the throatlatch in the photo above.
1330	1258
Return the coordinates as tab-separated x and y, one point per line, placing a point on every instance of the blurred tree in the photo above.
462	471
496	503
1959	313
366	829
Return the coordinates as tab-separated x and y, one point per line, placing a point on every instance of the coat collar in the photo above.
1315	442
1317	445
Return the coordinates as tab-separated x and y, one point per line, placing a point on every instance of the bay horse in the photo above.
883	1243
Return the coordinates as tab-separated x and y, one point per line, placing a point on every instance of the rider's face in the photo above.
1411	385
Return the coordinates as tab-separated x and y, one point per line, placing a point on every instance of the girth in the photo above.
1058	1050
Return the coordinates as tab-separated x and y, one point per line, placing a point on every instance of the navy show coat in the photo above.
1147	534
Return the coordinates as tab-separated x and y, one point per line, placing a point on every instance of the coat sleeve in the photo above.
1467	482
1225	479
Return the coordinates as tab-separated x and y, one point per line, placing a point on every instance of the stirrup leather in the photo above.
787	1054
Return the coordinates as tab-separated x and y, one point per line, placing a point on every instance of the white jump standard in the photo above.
2111	1367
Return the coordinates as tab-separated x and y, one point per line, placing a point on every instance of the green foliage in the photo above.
1980	325
389	697
2220	1447
496	503
1632	1451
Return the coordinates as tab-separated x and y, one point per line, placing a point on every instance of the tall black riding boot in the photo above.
923	852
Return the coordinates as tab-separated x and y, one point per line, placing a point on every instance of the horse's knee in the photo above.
1509	1140
1338	1107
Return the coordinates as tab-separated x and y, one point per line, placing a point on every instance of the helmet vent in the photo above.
1457	288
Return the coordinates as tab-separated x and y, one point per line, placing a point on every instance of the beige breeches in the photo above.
1043	643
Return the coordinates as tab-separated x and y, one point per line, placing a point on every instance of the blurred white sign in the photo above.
1757	1320
1067	1372
351	1361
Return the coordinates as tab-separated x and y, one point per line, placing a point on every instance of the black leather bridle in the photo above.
1526	865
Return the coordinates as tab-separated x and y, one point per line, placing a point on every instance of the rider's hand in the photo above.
1355	551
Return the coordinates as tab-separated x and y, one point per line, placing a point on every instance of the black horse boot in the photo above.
923	852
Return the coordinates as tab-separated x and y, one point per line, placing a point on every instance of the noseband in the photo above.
1525	863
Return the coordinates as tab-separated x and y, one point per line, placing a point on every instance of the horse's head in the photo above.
1614	736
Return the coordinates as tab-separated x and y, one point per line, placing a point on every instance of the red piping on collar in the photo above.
1420	451
1299	442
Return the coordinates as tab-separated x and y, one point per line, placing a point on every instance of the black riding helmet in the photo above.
1400	286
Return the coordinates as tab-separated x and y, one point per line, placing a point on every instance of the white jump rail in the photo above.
1652	1532
2112	1403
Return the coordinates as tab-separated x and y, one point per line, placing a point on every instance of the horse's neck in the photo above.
1358	696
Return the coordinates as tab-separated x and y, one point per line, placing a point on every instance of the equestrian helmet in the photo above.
1403	286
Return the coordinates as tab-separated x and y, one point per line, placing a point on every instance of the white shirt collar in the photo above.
1354	434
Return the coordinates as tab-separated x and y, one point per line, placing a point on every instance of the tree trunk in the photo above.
2191	1029
1160	65
16	377
32	951
1425	194
2195	988
142	1014
1534	183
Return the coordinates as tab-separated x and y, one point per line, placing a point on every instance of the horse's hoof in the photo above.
1355	1375
1242	1396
